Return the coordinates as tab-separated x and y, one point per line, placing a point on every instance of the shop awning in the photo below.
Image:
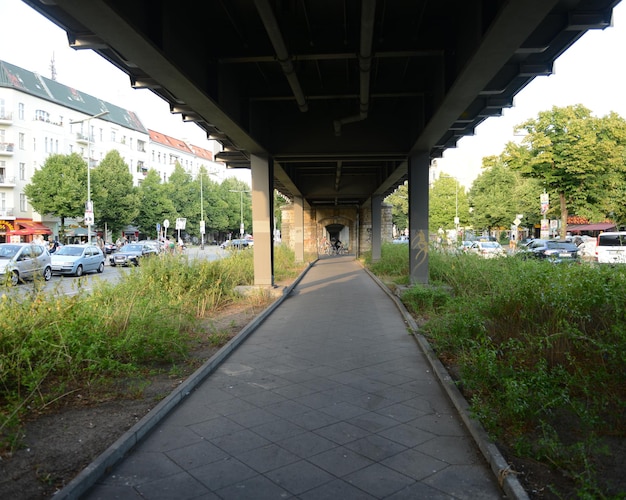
26	227
600	226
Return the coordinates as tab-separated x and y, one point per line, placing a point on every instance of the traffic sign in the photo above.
166	223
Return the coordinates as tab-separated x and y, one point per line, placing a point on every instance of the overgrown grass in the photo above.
540	350
52	345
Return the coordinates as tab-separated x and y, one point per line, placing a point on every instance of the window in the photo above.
101	134
42	116
22	202
21	137
3	201
22	171
2	109
113	135
20	110
3	172
141	146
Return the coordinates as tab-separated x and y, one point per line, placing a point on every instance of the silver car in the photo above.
77	260
22	261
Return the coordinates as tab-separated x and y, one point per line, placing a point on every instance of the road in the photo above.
70	285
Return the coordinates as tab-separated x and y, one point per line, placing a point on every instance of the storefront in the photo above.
22	231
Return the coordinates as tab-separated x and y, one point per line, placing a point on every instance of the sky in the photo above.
592	72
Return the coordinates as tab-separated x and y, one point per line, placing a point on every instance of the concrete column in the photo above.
263	220
419	164
376	227
298	228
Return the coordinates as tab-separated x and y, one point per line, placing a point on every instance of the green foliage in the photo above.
499	193
59	187
577	157
154	204
115	199
399	201
540	349
447	198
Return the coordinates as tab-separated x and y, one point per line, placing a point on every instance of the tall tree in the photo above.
115	199
447	200
154	204
569	152
399	201
499	194
236	193
59	187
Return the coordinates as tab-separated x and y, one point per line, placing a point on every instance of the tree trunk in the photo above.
563	215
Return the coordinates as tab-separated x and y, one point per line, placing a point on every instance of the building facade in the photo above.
40	117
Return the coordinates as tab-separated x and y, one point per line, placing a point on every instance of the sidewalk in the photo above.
328	398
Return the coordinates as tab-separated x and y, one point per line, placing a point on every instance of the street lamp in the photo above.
88	206
240	191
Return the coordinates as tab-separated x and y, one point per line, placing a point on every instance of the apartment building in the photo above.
40	117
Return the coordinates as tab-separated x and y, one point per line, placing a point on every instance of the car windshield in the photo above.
8	251
489	244
67	250
132	248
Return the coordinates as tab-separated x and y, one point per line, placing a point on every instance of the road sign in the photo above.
89	218
202	231
181	223
166	223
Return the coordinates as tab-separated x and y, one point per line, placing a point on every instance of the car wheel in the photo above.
113	264
15	278
79	271
101	267
47	273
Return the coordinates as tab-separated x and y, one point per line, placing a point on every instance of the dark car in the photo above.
554	250
131	254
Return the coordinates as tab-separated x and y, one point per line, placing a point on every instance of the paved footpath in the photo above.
329	398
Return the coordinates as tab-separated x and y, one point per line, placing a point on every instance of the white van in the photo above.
611	248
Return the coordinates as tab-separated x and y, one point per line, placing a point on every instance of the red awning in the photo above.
600	226
29	227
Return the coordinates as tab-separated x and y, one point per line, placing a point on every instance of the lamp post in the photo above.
240	191
88	206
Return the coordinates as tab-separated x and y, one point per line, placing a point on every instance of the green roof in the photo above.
32	83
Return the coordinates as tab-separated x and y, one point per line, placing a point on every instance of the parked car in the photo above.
487	249
77	260
237	244
21	261
110	248
131	254
611	248
400	240
158	246
554	250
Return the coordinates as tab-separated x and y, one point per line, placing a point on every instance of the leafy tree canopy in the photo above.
575	156
59	187
115	199
447	201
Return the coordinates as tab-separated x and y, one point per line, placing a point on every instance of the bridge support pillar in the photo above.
263	220
298	228
419	163
376	227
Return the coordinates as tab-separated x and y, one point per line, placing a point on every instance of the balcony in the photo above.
6	148
7	213
7	181
82	138
6	118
